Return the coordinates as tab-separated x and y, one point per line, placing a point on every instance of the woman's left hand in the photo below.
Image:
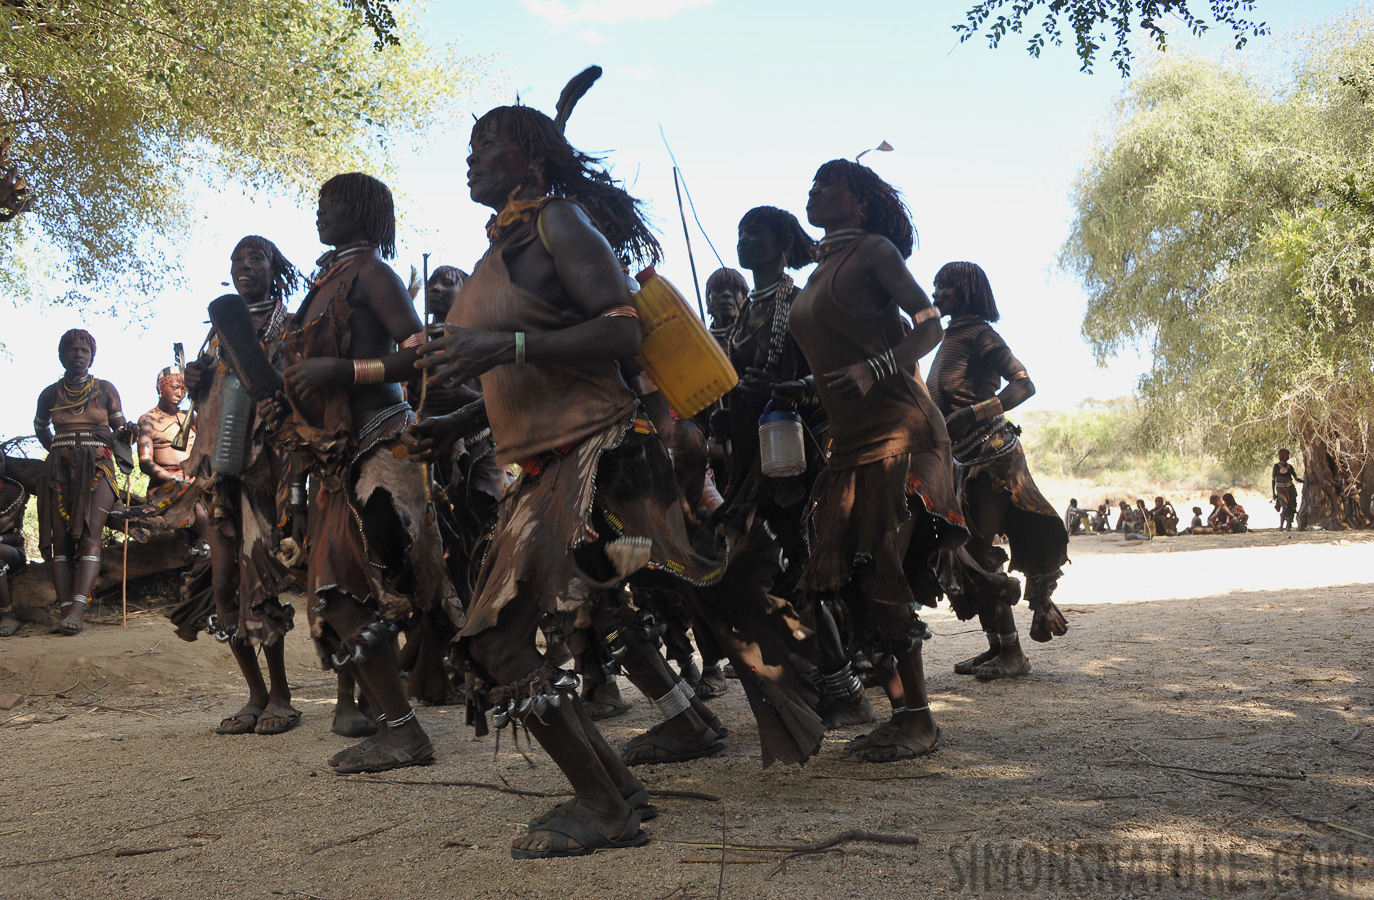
309	376
851	382
464	353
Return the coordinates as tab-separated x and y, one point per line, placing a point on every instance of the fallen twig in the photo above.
473	784
53	859
22	830
355	838
1244	773
879	777
91	693
727	862
846	837
685	795
194	815
146	851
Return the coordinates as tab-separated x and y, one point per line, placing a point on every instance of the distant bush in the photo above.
1115	442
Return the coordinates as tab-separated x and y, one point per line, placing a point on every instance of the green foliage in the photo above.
1225	222
112	103
1087	19
1114	442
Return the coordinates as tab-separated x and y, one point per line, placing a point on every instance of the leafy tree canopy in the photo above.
108	105
1090	20
1227	222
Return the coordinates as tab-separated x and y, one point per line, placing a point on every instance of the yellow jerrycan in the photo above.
679	354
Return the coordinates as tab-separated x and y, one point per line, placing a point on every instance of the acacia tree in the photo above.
108	106
1089	21
1227	223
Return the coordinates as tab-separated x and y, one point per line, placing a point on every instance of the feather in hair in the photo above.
579	85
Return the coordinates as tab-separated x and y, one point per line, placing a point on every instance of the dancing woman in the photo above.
885	521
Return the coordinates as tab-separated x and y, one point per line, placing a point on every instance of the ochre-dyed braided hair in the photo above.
285	276
885	212
727	278
970	283
71	337
565	171
798	247
371	204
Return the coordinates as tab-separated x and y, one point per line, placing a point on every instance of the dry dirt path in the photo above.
1244	660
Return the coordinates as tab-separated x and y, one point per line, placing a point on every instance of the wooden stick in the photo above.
53	859
145	852
686	795
474	784
1243	772
355	838
124	577
196	815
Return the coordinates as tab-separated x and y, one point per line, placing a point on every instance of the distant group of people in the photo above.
1227	515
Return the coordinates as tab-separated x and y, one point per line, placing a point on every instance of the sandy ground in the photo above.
1243	662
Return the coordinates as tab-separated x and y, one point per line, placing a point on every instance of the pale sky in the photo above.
753	97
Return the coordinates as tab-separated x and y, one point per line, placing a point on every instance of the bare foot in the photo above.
8	624
967	666
1048	621
351	722
908	736
1008	665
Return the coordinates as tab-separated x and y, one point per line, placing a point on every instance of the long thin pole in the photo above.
686	235
424	390
124	578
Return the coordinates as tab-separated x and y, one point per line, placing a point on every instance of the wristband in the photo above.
368	371
930	312
414	340
988	409
883	365
520	348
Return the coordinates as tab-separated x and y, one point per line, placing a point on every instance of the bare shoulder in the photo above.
563	220
376	269
877	250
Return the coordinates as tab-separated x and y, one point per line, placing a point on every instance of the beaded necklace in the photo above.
837	239
75	399
780	293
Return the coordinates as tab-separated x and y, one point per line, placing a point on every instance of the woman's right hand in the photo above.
792	393
196	373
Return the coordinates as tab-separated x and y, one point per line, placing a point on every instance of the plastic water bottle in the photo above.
782	448
235	417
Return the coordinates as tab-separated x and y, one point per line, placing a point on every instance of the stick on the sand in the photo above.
355	838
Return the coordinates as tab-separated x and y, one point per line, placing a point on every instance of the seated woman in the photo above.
1219	519
1240	521
1164	517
